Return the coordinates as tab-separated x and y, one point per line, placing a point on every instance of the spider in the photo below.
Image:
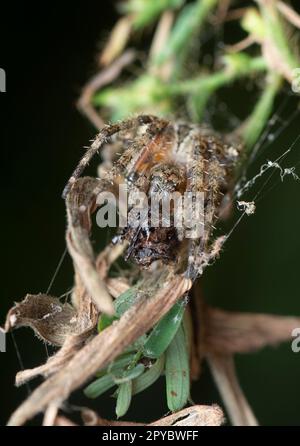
157	154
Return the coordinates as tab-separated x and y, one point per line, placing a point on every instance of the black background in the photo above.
48	52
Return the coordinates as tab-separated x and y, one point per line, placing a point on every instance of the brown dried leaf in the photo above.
289	13
227	332
81	202
104	77
47	316
118	39
85	319
108	256
193	416
63	421
72	344
239	410
118	286
102	349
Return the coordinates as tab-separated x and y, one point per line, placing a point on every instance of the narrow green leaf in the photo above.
120	363
128	375
258	119
177	372
163	333
140	342
105	321
189	21
99	386
149	376
122	304
124	398
125	301
145	11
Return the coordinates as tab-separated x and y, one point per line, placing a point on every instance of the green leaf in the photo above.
140	342
146	11
125	301
122	362
189	21
124	398
118	364
121	304
163	333
129	374
177	372
99	386
149	376
258	119
105	321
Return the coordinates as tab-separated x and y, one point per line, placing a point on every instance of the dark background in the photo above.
48	53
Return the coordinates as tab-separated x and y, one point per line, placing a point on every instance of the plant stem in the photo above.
201	88
261	112
190	20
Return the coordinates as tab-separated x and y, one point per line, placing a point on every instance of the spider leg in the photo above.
101	138
205	174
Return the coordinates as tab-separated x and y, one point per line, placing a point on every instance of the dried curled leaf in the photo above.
81	202
47	316
71	346
98	353
69	328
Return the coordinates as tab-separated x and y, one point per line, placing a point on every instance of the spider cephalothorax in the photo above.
162	157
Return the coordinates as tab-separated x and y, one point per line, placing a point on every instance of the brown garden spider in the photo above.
174	156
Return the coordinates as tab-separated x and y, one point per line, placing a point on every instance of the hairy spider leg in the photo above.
101	138
205	174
